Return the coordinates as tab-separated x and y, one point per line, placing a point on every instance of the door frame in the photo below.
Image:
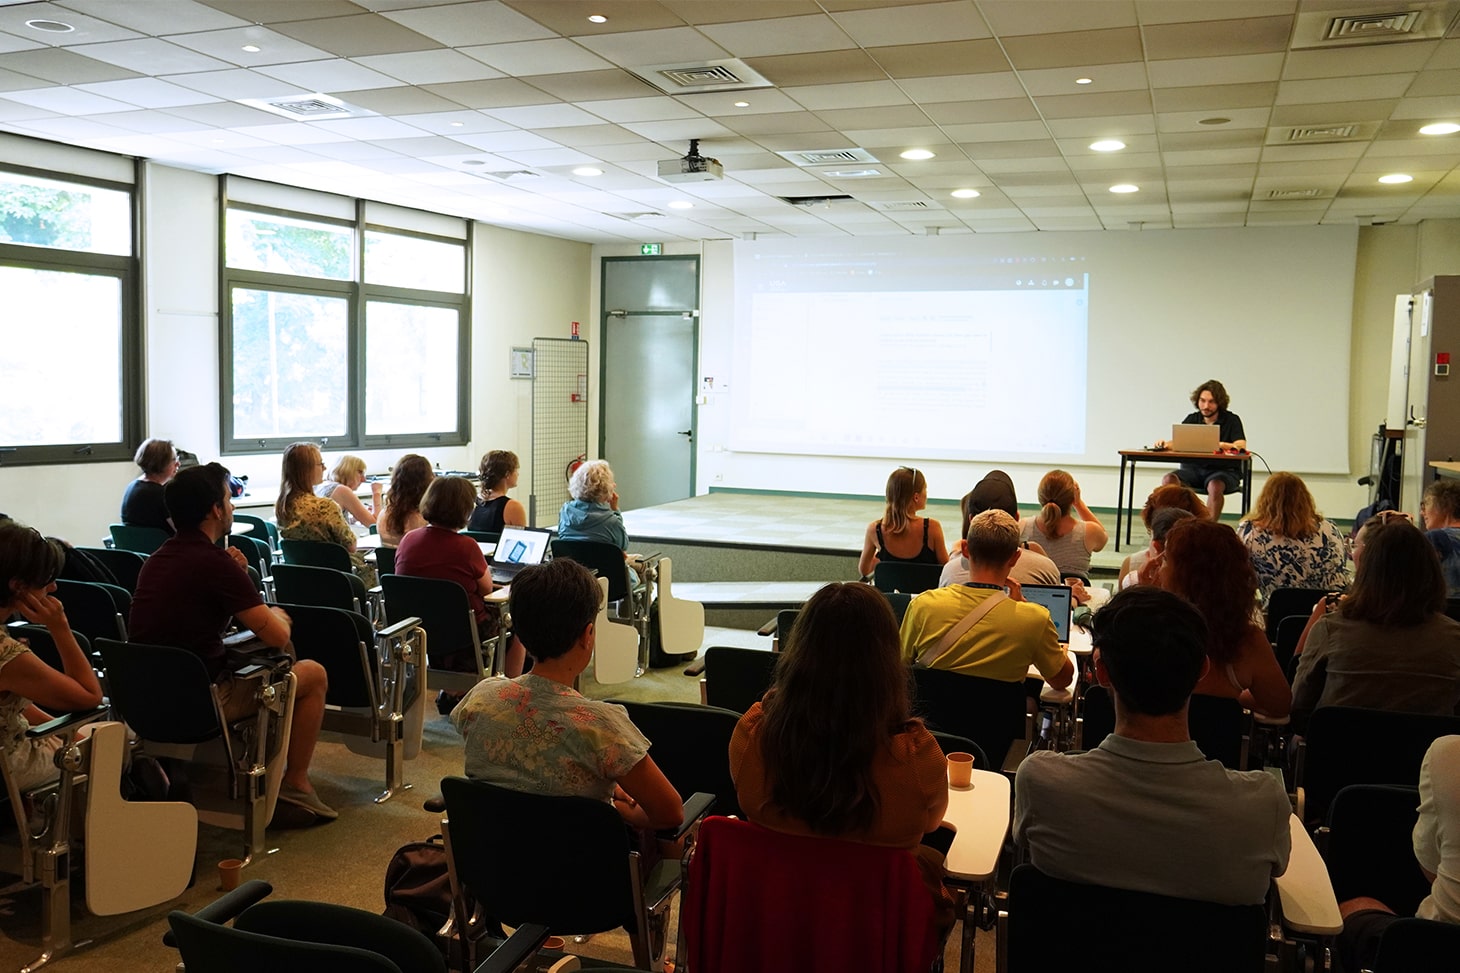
605	316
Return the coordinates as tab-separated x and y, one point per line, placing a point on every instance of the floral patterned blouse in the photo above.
313	518
30	760
534	734
1316	561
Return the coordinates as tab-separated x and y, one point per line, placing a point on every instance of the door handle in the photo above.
687	432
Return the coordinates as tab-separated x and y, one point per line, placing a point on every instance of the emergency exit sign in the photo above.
651	249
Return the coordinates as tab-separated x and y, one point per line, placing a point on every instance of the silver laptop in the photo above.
517	548
1195	437
1058	600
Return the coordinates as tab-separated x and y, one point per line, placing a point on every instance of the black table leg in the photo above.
1119	503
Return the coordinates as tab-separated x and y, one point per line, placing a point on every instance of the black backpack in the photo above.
84	566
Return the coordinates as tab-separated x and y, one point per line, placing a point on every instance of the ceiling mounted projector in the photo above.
692	168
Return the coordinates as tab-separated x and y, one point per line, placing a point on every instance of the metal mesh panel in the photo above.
559	422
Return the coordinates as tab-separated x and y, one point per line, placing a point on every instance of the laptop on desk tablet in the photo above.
1058	600
517	548
1195	437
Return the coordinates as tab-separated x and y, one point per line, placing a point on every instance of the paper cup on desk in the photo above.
960	769
228	873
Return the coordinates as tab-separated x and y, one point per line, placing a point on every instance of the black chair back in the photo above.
337	925
898	602
384	561
217	948
124	565
38	637
92	608
906	576
300	584
691	744
1289	630
1347	745
1416	946
483	536
1054	924
1452	608
736	678
1216	724
143	540
262	530
255	551
1284	602
986	711
952	743
605	559
785	621
574	881
443	609
341	641
162	693
317	554
1370	849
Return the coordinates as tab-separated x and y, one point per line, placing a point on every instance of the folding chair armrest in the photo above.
399	628
376	592
695	809
524	942
769	628
67	721
228	906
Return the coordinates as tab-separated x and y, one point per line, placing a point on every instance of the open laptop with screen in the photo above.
517	548
1195	437
1058	600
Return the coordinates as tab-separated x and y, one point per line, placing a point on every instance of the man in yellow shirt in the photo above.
1003	641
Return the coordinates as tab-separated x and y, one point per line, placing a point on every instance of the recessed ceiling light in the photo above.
458	124
597	19
964	194
1217	120
1396	177
252	48
917	155
1124	187
1107	145
681	204
587	171
50	26
473	162
1440	128
742	104
1084	81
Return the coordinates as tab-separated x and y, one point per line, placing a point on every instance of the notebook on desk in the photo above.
517	548
1058	600
1195	437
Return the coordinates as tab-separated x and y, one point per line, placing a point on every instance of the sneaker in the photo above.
310	802
446	702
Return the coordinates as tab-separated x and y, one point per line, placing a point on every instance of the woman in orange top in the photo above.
833	749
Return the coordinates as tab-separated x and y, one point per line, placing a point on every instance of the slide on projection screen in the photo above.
1041	347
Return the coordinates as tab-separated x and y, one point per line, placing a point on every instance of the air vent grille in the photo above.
697	77
311	107
515	174
723	74
817	200
1294	193
1372	25
828	157
902	205
646	215
1327	133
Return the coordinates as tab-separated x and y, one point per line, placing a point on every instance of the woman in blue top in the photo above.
592	514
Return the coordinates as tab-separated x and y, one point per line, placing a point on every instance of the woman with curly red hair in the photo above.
1205	563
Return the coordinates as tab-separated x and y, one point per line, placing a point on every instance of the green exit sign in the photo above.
651	249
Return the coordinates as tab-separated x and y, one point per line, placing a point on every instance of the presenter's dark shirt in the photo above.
186	594
143	506
1229	422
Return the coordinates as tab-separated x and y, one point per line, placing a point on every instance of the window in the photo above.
340	330
71	372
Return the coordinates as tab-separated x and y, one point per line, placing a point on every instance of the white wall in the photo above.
523	286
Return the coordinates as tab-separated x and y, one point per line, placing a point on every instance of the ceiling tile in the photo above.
1073	48
647	109
149	55
62	67
1317	91
1331	114
462	24
11	111
671	45
151	122
1000	110
780	123
996	131
1237	69
292	133
963	87
224	115
859	94
12	81
458	122
1023	149
1257	35
999	168
583	85
1087	106
1371	59
941	60
1223	137
156	16
544	116
1191	121
273	12
1013	17
429	67
83	129
1092	161
569	18
786	143
227	45
917	24
555	56
830	67
9	42
790	35
1256	95
357	36
676	130
87	30
336	74
1447	107
1108	126
494	93
1246	155
147	93
762	101
889	116
396	101
1435	83
1301	153
1103	77
507	141
68	101
235	84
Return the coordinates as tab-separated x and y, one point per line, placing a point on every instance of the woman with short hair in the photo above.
1387	644
304	516
344	480
409	479
1292	545
1440	509
142	503
592	514
900	534
495	509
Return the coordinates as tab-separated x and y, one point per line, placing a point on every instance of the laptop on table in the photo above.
517	548
1058	600
1195	437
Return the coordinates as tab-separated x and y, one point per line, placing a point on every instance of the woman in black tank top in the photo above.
901	535
495	509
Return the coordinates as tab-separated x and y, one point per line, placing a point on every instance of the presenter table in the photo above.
1125	498
1445	470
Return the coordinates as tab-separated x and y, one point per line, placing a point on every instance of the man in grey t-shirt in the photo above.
1145	810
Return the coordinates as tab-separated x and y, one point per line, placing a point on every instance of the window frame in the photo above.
127	271
359	295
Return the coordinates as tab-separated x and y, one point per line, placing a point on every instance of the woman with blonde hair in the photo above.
302	515
1068	540
408	482
344	480
495	509
1290	542
901	535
